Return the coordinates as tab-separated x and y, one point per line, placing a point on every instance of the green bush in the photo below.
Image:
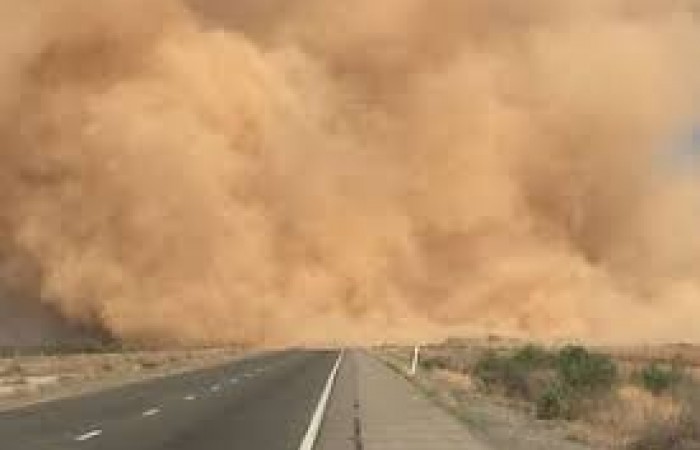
533	357
433	362
555	402
512	372
500	371
489	367
562	385
658	379
583	371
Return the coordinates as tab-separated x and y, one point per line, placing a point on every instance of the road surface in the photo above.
264	402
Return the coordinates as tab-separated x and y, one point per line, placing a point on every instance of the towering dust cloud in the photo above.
280	172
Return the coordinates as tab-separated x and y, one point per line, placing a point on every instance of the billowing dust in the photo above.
275	172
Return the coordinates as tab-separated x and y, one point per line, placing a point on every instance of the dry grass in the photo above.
621	419
680	431
630	416
26	379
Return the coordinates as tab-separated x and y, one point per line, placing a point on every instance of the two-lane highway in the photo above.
264	402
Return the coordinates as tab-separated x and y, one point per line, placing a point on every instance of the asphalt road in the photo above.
261	403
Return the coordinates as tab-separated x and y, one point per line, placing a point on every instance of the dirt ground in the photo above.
496	422
28	379
627	414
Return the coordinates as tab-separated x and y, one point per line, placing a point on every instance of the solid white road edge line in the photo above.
317	418
88	436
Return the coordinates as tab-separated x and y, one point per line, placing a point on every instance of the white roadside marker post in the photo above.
414	363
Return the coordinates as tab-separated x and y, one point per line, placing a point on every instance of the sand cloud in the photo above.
271	173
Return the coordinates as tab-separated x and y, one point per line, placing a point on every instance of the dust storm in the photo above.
321	171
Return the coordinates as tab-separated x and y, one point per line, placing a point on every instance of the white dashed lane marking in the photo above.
190	397
151	412
88	436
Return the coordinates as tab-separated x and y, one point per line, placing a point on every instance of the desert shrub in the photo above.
556	402
488	367
517	373
499	371
658	379
584	378
562	385
495	370
533	357
585	372
433	362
